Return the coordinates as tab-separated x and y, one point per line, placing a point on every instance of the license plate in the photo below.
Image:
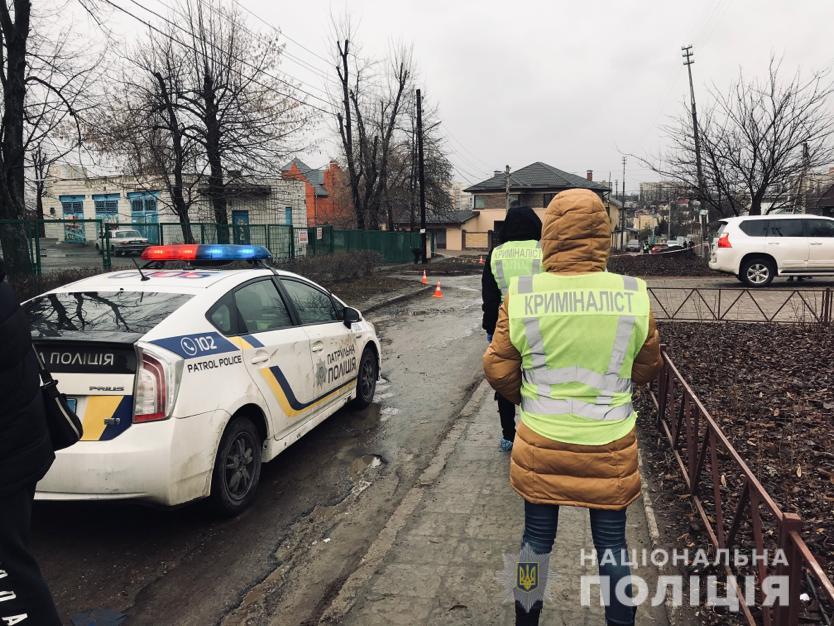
72	403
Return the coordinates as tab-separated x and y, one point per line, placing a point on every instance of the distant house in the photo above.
327	194
72	196
822	203
533	186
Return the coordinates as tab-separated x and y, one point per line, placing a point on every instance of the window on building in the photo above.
143	205
107	206
479	202
73	206
288	216
546	198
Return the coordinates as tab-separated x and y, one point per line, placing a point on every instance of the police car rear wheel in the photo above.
237	468
366	380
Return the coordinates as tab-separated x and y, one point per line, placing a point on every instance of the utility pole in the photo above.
422	176
507	186
801	196
688	61
623	212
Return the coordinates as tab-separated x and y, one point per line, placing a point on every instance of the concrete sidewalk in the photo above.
446	553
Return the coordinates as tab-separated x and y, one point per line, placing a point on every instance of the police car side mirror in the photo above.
350	316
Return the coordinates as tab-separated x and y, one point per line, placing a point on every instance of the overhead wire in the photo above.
217	48
320	73
243	62
462	171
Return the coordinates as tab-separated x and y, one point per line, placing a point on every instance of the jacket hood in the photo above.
521	224
576	234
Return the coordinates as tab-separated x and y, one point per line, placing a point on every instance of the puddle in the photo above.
388	412
364	462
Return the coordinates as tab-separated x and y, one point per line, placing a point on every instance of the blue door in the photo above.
73	209
143	211
240	226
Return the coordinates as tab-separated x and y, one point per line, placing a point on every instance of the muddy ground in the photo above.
771	389
319	505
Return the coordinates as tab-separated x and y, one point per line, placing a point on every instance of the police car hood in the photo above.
576	233
521	224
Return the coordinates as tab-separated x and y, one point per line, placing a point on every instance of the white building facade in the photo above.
253	204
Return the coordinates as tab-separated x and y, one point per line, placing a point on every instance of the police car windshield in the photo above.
120	316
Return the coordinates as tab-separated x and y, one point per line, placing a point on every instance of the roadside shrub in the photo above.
679	264
331	269
30	286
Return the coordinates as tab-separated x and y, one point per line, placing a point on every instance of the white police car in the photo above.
187	379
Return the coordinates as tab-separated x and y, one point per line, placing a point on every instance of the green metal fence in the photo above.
73	243
394	247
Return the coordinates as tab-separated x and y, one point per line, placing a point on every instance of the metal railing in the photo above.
735	509
698	304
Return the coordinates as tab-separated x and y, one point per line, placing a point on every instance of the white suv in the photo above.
758	248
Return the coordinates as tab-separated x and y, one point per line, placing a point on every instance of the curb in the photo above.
398	298
346	597
672	612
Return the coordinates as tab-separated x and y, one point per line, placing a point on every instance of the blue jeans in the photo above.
608	532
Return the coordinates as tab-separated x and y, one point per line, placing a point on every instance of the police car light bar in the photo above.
205	252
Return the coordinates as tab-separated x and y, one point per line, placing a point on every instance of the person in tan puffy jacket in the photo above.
547	472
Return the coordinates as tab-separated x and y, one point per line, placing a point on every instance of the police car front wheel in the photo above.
237	468
366	380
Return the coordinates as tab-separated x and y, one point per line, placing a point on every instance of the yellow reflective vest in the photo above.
513	259
578	336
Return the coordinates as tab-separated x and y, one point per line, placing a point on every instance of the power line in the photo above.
213	45
192	48
300	45
299	61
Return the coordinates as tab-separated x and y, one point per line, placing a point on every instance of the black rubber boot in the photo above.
524	618
634	619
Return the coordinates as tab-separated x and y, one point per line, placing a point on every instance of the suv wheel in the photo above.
757	272
237	468
366	380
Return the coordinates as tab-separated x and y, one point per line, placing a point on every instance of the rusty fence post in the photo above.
788	614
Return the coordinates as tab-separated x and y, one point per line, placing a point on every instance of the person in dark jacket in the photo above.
25	456
521	224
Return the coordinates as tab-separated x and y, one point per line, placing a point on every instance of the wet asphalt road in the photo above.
319	506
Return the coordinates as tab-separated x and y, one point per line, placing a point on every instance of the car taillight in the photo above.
155	390
724	241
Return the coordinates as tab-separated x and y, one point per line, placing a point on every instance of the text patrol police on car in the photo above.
187	379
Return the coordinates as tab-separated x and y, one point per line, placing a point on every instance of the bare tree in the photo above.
369	110
59	99
403	184
150	132
14	29
42	86
757	140
245	116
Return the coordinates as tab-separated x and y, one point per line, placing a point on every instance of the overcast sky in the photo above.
574	84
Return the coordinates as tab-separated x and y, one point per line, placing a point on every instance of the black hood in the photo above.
521	224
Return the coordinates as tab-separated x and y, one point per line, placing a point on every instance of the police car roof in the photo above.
173	280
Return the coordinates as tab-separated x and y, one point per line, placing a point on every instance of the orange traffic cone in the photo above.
437	293
425	279
481	260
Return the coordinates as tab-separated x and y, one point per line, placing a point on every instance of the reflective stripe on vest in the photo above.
580	382
514	259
